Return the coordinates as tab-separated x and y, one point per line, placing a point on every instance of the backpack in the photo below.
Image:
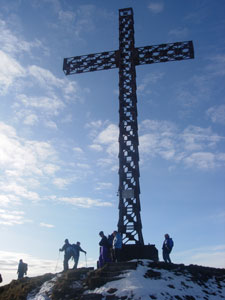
25	268
170	243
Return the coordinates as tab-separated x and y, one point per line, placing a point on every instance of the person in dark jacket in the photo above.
22	269
167	248
67	248
104	256
76	253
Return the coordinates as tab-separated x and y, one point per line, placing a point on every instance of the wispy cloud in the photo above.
194	146
85	202
12	217
179	32
46	225
217	114
12	43
10	71
156	7
23	164
201	86
36	266
104	186
213	256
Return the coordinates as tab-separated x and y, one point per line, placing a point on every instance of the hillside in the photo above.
131	280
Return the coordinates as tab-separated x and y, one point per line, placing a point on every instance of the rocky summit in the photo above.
140	279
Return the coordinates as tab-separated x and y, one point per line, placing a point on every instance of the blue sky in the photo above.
59	134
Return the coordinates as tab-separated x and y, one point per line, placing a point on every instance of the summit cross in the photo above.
126	59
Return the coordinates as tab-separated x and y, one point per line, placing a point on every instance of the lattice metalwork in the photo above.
129	203
126	58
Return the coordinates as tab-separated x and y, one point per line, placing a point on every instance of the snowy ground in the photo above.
147	282
45	292
162	286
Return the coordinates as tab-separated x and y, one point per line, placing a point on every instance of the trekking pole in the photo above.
86	259
57	262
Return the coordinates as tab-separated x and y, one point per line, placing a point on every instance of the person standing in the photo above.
76	253
22	269
167	248
117	246
67	248
104	250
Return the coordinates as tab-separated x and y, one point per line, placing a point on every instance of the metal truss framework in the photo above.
126	59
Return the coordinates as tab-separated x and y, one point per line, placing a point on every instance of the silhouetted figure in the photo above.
22	269
1	278
110	245
104	250
167	248
76	253
116	246
67	248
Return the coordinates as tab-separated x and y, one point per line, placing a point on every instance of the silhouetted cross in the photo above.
126	58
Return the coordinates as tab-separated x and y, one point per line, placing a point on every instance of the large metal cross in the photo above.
126	59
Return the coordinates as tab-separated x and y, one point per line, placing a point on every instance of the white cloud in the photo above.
51	105
179	32
36	266
109	137
213	256
31	119
10	71
195	147
197	138
151	78
46	225
9	199
61	183
156	7
83	166
85	202
13	43
104	185
201	160
217	114
13	217
96	147
51	124
49	81
23	164
19	190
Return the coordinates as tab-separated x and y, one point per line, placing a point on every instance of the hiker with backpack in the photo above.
67	254
22	269
76	253
167	248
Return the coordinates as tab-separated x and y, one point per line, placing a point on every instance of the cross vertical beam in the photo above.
126	59
129	201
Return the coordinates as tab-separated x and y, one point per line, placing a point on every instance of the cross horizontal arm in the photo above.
90	62
164	53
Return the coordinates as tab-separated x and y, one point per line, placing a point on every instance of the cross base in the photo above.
135	251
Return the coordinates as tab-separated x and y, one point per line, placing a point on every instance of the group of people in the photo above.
110	248
71	251
110	251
